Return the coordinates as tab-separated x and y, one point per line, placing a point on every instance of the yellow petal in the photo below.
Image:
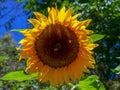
68	14
48	9
60	76
53	79
33	68
43	72
35	22
91	46
67	17
52	16
66	75
75	17
86	22
61	15
26	40
40	17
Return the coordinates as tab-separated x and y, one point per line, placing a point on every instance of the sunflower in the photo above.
57	47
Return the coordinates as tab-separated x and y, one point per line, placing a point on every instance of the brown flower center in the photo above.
57	46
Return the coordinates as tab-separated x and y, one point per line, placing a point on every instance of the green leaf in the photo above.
2	58
50	88
70	84
90	83
19	76
117	57
116	70
96	37
119	37
1	84
16	30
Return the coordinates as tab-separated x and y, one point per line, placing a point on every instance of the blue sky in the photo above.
13	16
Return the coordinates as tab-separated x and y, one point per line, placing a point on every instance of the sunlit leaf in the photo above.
19	76
119	37
70	84
96	37
16	30
117	57
90	83
1	83
116	70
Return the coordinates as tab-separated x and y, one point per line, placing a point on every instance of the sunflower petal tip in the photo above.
17	48
89	21
96	45
35	13
29	20
48	9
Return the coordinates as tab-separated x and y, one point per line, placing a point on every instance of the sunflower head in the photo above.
57	46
